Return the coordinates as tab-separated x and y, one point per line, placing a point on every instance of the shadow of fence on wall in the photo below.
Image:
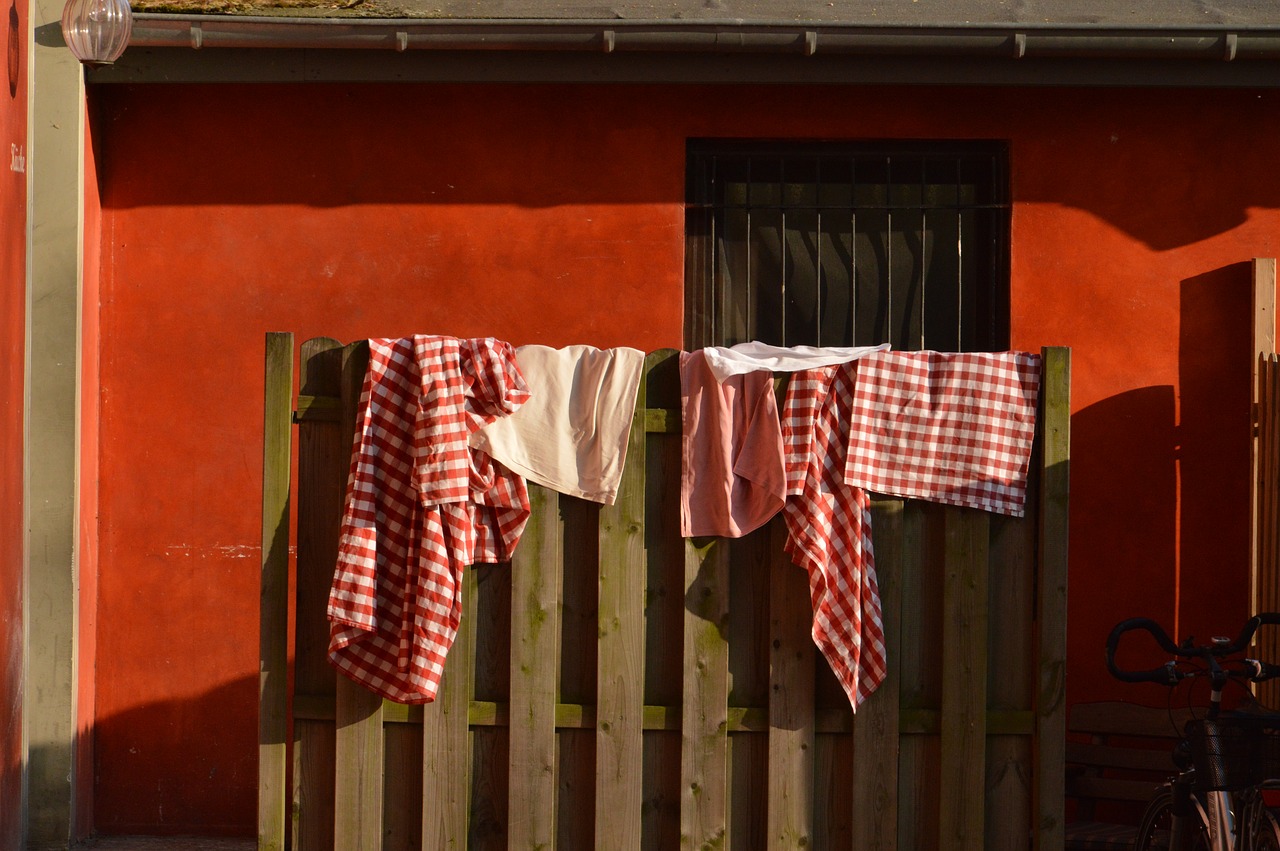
617	686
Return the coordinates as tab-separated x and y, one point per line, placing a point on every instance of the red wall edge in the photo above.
13	287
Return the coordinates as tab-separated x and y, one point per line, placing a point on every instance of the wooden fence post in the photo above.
620	652
274	605
704	740
535	657
1051	605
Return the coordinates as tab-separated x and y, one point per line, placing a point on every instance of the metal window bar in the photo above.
728	290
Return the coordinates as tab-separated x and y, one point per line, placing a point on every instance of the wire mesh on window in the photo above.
842	244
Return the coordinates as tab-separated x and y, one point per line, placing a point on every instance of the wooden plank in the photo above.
665	614
964	681
704	767
359	734
875	728
402	787
1009	816
919	651
273	669
620	651
1261	575
491	607
576	748
791	683
535	657
750	569
324	453
1051	605
1268	483
446	746
313	765
1264	576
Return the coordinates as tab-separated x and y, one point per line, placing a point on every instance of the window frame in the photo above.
706	297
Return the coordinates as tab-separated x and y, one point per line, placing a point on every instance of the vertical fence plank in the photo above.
402	760
1262	577
920	648
1051	606
446	746
964	681
620	651
358	716
875	727
704	756
273	692
324	453
535	655
1267	485
791	682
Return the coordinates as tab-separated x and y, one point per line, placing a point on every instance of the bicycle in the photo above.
1214	802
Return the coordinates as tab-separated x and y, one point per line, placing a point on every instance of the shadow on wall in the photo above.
1162	518
1159	165
213	793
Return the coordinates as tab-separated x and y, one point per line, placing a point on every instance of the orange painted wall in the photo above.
553	214
13	287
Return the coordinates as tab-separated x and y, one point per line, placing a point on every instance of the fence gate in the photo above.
618	687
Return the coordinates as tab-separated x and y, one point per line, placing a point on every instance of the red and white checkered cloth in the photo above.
950	428
421	506
829	528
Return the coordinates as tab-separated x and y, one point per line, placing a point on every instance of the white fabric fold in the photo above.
749	357
572	434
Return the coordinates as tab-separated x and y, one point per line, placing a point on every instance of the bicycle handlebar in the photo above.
1169	674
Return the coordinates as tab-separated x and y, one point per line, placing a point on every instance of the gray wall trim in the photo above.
53	274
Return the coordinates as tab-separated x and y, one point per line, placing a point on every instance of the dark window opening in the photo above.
840	244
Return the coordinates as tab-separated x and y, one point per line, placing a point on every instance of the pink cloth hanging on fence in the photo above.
732	479
829	528
954	428
421	506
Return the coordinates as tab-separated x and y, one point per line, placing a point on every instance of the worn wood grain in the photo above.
620	652
964	681
875	727
535	656
446	740
324	451
273	692
705	720
1051	605
791	710
359	733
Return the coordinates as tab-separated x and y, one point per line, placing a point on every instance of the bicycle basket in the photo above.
1234	752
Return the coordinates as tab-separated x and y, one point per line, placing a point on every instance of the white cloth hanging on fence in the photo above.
755	356
572	435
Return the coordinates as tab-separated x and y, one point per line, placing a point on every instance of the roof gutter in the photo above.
1221	44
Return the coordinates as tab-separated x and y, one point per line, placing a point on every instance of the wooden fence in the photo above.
618	687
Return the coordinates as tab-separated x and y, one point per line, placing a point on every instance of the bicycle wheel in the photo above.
1155	828
1263	831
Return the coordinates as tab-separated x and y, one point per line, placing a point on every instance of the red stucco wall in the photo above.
13	287
554	215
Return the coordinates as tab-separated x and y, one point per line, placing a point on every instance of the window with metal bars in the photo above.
839	244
